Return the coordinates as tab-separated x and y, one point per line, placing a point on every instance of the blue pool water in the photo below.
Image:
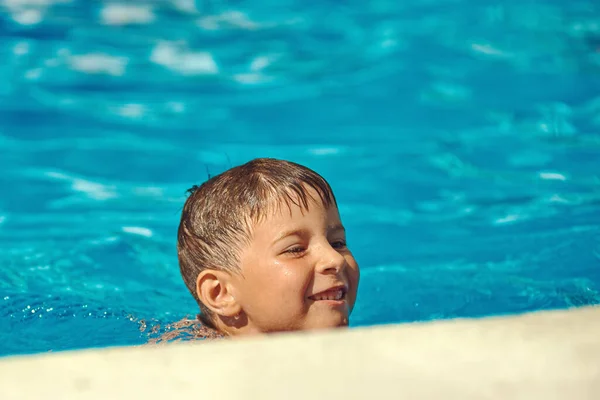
462	140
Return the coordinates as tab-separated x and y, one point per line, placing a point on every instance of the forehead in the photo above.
292	204
288	213
283	215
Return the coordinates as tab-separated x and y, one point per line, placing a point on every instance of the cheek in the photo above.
353	275
353	265
294	282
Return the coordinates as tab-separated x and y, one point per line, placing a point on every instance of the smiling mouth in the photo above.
331	294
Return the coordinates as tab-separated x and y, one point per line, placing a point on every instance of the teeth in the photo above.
334	295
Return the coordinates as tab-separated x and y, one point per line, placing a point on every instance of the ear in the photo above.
213	287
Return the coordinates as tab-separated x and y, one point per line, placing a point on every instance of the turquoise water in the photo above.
461	138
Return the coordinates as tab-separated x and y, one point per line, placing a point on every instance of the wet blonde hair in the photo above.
218	215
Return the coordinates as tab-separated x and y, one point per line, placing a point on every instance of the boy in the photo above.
262	249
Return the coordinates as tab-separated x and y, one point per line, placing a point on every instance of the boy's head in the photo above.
262	249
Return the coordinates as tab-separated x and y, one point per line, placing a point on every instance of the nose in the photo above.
330	260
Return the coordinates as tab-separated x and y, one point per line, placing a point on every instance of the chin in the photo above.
342	324
332	323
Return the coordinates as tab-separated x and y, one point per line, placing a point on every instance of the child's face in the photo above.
297	272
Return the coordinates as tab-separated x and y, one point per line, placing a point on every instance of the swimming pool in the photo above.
462	140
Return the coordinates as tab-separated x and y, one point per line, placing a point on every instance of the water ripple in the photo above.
461	140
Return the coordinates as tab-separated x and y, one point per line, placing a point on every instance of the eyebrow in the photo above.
288	233
292	232
336	227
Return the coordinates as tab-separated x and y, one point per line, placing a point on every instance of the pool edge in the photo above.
549	354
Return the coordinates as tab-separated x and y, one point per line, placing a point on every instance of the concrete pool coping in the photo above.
546	355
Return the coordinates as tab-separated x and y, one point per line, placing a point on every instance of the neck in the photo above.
236	328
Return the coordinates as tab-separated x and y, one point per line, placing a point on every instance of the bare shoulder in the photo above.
185	329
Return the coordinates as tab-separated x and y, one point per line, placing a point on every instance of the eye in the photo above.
338	244
295	250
